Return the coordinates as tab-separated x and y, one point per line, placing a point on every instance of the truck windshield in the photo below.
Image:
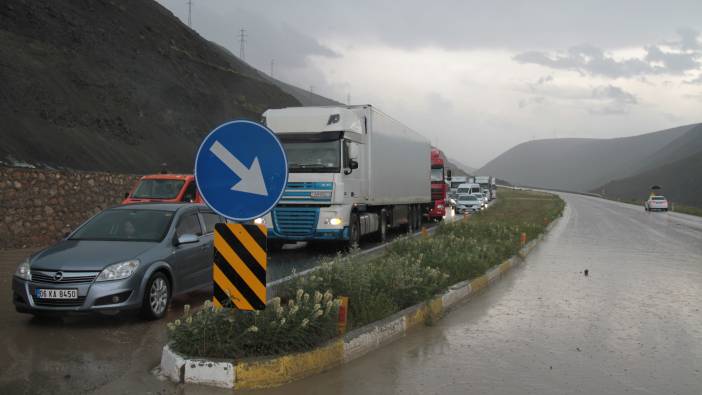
311	157
158	189
437	174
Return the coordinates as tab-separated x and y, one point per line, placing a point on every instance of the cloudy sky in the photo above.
478	77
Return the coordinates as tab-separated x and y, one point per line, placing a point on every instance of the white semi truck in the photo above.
353	171
487	186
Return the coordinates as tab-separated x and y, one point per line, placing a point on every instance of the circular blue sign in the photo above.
241	170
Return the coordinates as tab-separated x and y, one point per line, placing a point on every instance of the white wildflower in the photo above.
282	321
207	303
186	309
318	313
279	312
306	297
274	303
327	297
317	297
304	323
252	328
177	322
299	294
189	320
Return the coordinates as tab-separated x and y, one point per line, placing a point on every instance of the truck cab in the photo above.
352	171
165	188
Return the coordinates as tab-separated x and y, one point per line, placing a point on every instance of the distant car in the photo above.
131	257
468	204
656	203
483	199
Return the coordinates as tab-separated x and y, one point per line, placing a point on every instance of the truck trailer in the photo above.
352	171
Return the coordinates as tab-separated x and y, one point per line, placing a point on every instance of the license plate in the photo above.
56	293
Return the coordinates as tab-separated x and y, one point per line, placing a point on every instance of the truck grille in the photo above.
50	277
294	221
437	195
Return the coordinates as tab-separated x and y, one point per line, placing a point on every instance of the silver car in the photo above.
132	257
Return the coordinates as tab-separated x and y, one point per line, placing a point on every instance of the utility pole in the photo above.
242	44
190	12
272	67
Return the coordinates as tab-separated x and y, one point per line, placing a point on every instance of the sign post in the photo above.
241	171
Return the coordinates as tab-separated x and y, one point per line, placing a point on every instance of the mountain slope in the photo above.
116	86
681	182
579	164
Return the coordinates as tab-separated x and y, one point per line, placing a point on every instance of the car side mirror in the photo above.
187	238
126	195
353	165
448	175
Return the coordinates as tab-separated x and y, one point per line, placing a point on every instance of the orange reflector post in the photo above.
522	239
343	314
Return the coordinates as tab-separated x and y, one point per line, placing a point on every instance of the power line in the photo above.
242	44
190	12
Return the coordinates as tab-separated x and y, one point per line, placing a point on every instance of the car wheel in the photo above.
157	297
274	245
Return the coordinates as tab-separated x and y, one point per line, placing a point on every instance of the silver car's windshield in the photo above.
123	225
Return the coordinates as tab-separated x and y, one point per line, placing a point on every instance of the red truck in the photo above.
166	188
438	186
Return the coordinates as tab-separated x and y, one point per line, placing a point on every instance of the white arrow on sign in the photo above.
251	178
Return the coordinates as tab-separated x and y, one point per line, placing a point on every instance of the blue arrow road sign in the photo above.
241	170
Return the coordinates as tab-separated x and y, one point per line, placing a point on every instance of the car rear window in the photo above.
658	198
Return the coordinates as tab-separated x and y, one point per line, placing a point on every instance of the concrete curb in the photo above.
258	373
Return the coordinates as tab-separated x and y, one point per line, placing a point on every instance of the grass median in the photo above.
411	270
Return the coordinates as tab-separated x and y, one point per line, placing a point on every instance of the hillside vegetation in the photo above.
115	85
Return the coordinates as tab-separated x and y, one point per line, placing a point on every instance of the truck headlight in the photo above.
118	271
260	221
321	194
23	271
335	221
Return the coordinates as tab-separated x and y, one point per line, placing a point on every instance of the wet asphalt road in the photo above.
633	326
102	354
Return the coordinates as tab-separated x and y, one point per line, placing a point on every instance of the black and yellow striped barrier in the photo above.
239	270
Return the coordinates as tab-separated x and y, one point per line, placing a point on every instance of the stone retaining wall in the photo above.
38	206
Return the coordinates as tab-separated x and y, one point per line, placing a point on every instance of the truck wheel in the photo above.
157	297
354	232
381	234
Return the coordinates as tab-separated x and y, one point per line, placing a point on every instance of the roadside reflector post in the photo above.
239	269
425	233
465	216
343	314
522	239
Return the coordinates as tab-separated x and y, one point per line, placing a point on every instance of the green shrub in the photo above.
301	323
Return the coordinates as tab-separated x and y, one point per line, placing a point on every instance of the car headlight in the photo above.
260	221
23	271
118	271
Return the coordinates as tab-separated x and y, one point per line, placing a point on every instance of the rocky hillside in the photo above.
119	86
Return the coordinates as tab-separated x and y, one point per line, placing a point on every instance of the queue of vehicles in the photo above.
353	172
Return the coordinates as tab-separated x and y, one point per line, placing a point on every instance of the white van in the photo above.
468	189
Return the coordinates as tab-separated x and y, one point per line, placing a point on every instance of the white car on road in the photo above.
656	203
